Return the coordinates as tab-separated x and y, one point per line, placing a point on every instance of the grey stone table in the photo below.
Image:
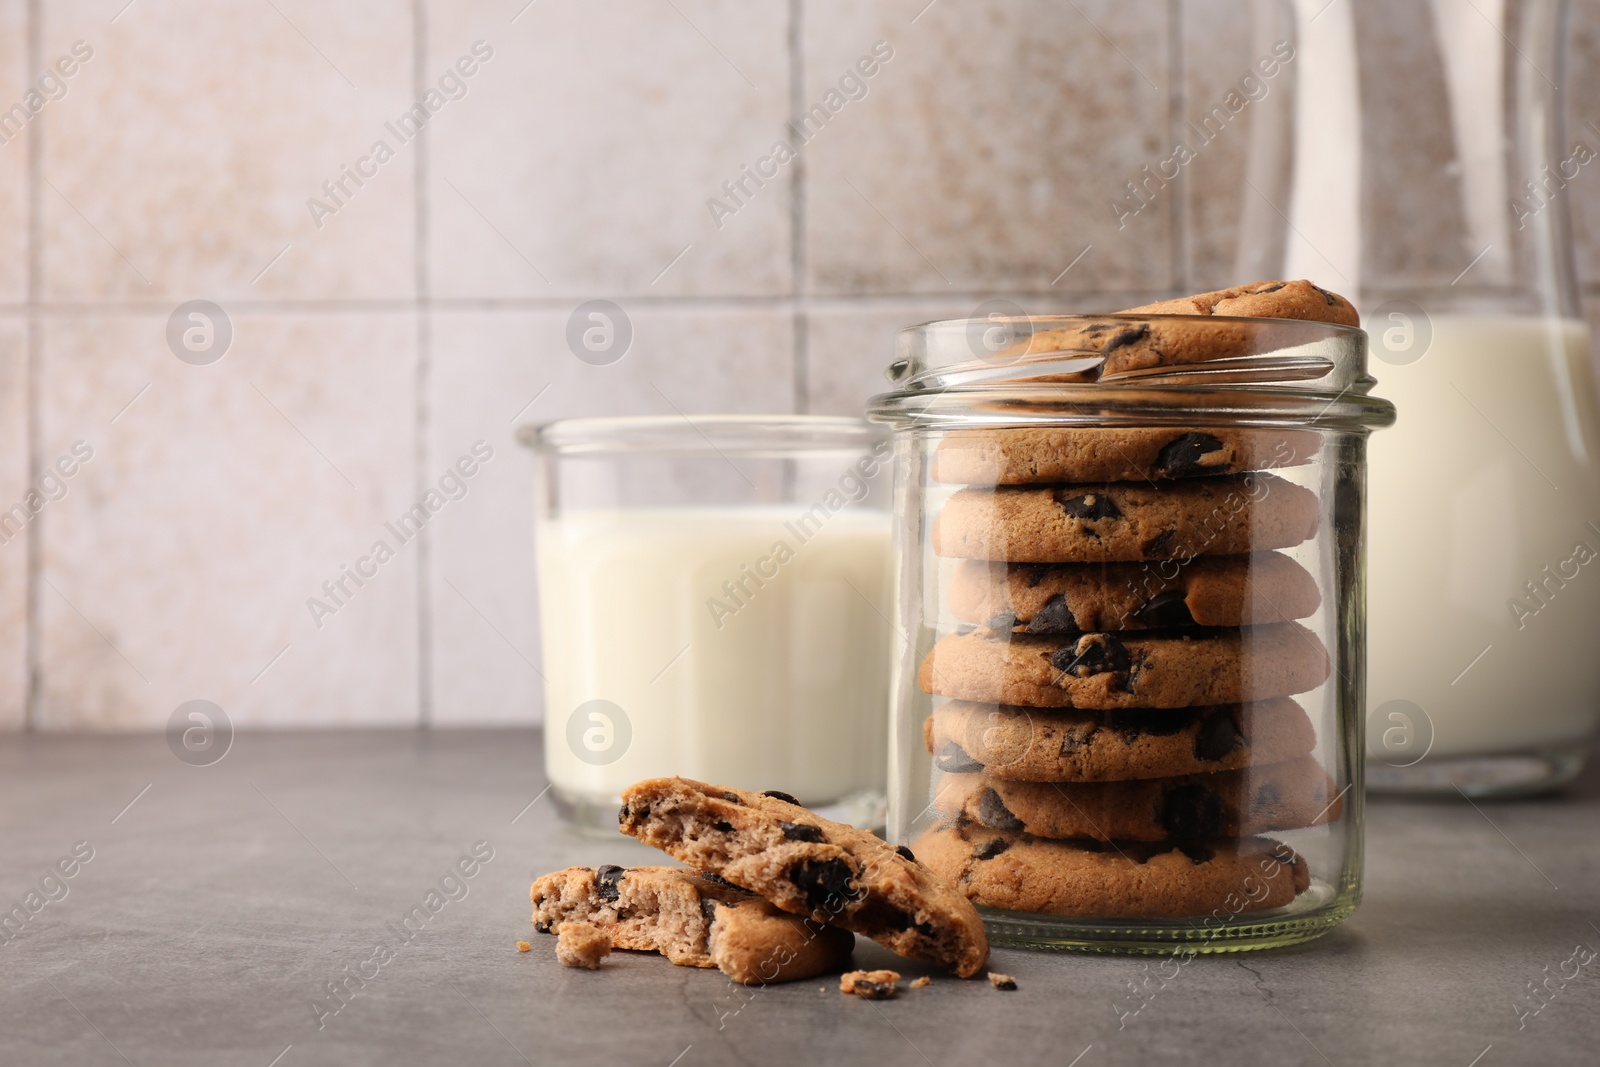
209	909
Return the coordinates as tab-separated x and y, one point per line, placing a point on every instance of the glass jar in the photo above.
713	597
1128	677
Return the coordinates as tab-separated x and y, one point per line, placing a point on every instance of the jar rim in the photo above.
702	434
996	371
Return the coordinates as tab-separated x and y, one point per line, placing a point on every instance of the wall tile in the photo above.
1583	124
988	150
582	159
218	500
14	149
194	137
486	369
13	539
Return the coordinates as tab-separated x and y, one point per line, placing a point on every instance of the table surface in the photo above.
220	902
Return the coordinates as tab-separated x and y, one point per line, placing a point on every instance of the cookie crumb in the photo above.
921	983
523	946
1002	981
873	985
582	945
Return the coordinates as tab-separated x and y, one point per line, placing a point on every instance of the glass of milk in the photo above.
714	602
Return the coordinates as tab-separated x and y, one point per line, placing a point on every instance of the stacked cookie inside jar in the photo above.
1115	733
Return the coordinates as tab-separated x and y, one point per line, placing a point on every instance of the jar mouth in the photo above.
688	435
1127	369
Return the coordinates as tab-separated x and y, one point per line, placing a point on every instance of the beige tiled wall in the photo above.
572	154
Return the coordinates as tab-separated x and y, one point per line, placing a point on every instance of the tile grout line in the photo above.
423	377
801	316
1175	101
33	359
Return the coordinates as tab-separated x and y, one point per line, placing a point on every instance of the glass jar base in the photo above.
1506	775
1316	911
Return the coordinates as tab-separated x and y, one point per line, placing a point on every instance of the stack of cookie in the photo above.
1118	726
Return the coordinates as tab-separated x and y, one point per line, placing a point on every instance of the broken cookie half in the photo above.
694	920
809	866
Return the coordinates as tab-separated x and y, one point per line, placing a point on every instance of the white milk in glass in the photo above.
742	648
1484	538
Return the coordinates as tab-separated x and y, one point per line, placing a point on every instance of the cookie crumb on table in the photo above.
873	985
582	945
921	983
1002	981
523	946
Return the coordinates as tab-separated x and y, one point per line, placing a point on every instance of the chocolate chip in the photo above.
905	853
1165	609
708	910
606	881
822	882
991	848
723	825
1267	797
1269	289
1002	981
1197	854
1126	337
1193	811
1217	736
1180	457
1054	618
1160	545
799	831
778	794
1034	574
732	798
993	812
1070	741
715	878
1003	622
1092	654
543	926
1091	507
1333	301
953	759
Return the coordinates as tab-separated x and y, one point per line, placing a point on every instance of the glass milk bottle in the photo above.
1420	163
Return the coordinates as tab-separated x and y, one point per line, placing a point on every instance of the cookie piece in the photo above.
1002	981
1196	807
1121	880
1043	454
582	945
1036	745
1131	343
1114	521
1064	598
809	866
1126	670
693	920
872	985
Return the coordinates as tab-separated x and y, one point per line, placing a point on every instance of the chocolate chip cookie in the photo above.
1067	598
1115	521
806	865
1130	342
692	919
1126	670
1045	454
1195	807
1065	745
1115	880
